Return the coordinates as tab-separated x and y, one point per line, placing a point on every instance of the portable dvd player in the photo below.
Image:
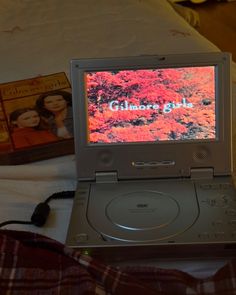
153	152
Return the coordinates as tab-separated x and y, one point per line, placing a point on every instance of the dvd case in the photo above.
36	120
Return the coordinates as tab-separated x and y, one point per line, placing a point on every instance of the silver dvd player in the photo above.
153	152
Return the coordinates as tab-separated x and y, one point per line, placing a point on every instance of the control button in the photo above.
81	201
220	234
82	192
234	235
217	202
217	223
230	212
225	199
81	238
204	235
205	186
214	186
226	185
232	222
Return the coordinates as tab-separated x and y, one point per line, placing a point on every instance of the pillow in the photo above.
41	37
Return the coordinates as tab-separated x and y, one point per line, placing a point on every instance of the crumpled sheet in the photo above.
32	264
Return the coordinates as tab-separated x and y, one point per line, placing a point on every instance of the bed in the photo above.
40	38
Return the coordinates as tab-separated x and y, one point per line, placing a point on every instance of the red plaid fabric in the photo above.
33	264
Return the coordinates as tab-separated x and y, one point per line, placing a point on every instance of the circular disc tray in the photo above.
142	210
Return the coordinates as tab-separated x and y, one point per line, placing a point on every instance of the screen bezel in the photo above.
119	157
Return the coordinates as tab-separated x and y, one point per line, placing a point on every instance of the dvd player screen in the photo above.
150	105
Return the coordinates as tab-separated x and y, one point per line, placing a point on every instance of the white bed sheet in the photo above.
41	37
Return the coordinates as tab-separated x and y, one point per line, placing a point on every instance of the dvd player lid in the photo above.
152	116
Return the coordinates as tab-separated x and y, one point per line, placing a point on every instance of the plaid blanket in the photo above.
33	264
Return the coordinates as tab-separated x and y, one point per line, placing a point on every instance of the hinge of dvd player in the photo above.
201	173
105	177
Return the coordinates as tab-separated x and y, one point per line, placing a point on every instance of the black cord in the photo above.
42	210
60	195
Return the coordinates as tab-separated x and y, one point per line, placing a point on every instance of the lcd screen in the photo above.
151	105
